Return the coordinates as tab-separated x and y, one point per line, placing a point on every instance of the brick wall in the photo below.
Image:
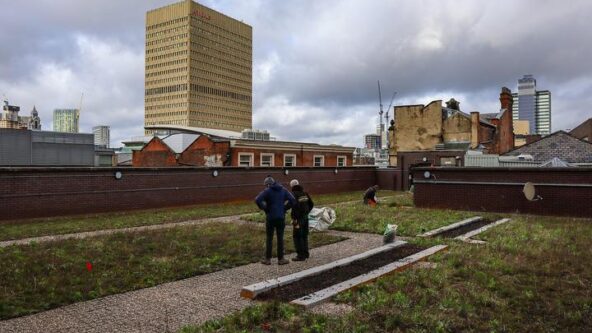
389	179
155	154
564	192
205	152
411	159
42	192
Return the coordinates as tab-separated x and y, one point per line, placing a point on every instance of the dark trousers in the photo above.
300	236
278	225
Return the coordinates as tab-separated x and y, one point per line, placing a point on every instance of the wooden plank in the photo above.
325	294
472	233
253	290
438	231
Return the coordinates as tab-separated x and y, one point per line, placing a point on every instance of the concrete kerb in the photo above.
325	294
443	229
253	290
466	237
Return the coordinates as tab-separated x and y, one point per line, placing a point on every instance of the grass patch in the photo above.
391	199
38	277
397	209
533	275
18	229
411	221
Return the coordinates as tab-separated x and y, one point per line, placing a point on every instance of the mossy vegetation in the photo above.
38	277
532	275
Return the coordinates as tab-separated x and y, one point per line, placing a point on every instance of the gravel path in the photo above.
170	306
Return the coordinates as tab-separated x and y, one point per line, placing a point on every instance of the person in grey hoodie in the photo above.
275	200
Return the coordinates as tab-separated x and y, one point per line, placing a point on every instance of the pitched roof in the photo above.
448	112
559	144
196	130
180	141
556	162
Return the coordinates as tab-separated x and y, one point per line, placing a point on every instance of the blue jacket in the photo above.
273	200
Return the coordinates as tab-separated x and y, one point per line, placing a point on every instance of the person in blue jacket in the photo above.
275	200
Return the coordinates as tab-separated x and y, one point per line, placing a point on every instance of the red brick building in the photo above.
213	148
433	127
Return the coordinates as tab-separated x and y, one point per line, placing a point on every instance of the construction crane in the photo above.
381	111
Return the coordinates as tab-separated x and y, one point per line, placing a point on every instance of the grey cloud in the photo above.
320	58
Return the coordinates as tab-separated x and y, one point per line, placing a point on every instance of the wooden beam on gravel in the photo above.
466	237
320	296
253	290
459	224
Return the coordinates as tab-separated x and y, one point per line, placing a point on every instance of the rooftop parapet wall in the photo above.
564	191
44	192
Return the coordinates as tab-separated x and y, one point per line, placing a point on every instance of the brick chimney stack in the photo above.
507	141
506	100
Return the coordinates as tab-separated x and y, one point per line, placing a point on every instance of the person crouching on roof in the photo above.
370	196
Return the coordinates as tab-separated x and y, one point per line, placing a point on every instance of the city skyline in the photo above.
314	73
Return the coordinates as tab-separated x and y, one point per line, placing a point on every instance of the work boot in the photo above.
283	261
298	259
266	261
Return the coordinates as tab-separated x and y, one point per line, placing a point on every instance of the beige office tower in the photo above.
198	68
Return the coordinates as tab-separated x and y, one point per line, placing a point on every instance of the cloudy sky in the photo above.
315	63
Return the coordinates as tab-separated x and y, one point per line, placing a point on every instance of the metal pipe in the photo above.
458	182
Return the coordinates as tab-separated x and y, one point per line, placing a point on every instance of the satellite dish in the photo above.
530	192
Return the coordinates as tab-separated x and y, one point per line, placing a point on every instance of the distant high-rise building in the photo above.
372	141
102	137
533	106
198	68
9	117
382	132
66	120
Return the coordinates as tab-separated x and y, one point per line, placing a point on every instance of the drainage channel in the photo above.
464	229
313	283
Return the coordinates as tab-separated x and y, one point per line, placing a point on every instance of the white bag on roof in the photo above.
321	218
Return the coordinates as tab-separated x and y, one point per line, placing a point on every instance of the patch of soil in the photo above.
336	275
464	229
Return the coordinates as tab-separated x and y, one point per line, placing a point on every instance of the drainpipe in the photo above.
474	129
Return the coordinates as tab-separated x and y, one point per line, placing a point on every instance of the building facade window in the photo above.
341	161
245	159
290	160
266	159
319	160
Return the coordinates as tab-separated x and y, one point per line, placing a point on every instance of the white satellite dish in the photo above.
530	192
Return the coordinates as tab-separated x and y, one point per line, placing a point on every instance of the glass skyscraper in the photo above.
533	106
66	120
